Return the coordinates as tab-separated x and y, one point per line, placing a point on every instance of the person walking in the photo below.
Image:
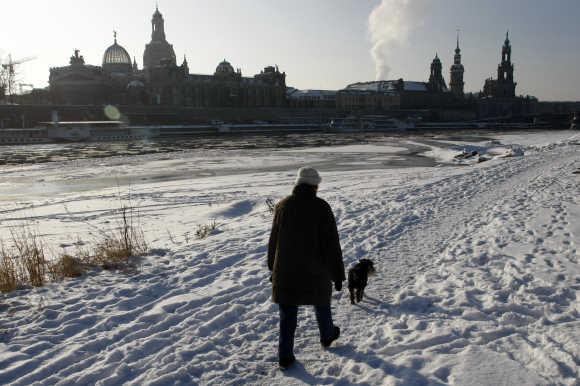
305	258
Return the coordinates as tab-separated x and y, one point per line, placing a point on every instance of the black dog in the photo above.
358	279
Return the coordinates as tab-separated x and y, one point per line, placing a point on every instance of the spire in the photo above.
456	84
157	14
184	65
135	67
115	36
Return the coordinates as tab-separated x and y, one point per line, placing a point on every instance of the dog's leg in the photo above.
358	295
351	290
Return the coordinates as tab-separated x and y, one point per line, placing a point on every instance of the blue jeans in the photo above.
289	320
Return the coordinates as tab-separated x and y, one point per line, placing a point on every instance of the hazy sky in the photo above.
319	43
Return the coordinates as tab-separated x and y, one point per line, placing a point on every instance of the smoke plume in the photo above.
389	26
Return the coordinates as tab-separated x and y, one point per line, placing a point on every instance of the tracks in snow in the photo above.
203	314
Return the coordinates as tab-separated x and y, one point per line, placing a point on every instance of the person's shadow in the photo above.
407	375
300	372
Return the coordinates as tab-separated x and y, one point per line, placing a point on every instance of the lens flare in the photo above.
112	113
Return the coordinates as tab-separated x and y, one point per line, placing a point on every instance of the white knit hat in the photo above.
308	176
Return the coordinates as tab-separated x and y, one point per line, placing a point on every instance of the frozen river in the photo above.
41	171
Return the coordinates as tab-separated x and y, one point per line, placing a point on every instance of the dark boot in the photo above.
327	342
286	362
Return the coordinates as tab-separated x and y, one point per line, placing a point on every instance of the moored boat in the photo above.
23	136
89	131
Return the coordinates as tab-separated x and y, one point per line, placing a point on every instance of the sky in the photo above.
320	44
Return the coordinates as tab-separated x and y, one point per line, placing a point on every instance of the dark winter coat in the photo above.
304	251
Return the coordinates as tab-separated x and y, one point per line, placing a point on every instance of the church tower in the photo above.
436	81
506	87
457	70
158	52
158	27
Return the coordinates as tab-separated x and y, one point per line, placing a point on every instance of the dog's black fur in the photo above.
358	279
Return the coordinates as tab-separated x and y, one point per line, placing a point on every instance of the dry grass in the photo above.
30	255
9	277
271	205
24	263
117	247
66	267
205	230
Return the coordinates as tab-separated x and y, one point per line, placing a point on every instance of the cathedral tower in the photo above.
436	81
457	70
159	51
505	71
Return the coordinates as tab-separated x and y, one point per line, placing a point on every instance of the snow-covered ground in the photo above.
478	280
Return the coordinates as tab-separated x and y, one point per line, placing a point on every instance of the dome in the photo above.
116	54
224	68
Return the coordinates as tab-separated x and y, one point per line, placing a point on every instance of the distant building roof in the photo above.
311	94
386	87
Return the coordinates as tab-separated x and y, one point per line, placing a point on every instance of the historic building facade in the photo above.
161	81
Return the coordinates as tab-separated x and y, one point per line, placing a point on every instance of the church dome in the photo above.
116	54
224	68
117	59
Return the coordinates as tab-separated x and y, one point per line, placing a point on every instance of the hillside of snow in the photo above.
478	279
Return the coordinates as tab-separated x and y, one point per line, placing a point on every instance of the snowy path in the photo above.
469	222
478	283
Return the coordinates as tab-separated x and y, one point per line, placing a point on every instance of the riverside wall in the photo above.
27	116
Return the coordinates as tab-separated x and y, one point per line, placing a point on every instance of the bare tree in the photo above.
8	76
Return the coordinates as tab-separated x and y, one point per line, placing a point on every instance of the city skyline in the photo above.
325	45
